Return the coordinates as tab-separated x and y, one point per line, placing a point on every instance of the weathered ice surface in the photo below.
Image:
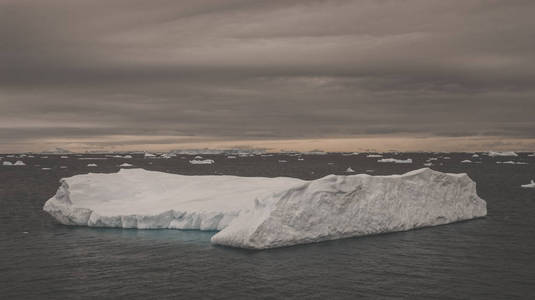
259	213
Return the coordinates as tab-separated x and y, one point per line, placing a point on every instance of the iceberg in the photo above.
397	161
529	185
506	153
261	213
510	162
202	162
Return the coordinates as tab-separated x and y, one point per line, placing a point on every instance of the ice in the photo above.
397	161
91	165
506	153
510	162
202	162
19	163
529	185
374	155
149	155
258	213
337	207
7	163
428	164
466	161
126	165
475	155
349	170
532	154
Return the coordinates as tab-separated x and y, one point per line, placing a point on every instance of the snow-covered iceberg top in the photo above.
259	213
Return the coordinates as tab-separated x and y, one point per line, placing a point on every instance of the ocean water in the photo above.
488	258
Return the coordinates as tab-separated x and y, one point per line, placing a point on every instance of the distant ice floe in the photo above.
149	155
532	154
63	156
231	157
466	161
202	162
127	156
63	167
530	185
475	155
300	159
92	165
126	165
92	158
374	155
7	163
428	164
510	162
506	153
260	213
349	170
19	163
396	161
46	169
283	161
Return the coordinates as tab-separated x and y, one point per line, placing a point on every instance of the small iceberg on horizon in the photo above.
396	161
261	213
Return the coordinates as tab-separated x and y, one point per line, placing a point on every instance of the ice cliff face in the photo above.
261	213
336	207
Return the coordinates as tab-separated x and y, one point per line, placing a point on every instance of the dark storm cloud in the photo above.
265	69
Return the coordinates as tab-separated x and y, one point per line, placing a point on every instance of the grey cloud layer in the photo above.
266	69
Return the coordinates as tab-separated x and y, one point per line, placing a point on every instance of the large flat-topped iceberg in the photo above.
260	213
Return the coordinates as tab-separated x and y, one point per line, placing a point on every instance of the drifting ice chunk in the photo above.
397	161
466	161
91	165
349	170
529	185
19	163
506	153
510	162
202	162
125	165
374	155
255	212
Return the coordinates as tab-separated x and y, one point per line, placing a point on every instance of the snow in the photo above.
259	213
202	162
397	161
510	162
529	185
506	153
349	170
126	165
91	165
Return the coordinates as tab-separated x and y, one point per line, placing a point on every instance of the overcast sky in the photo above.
164	74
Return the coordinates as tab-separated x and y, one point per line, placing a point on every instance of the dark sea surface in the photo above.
488	258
